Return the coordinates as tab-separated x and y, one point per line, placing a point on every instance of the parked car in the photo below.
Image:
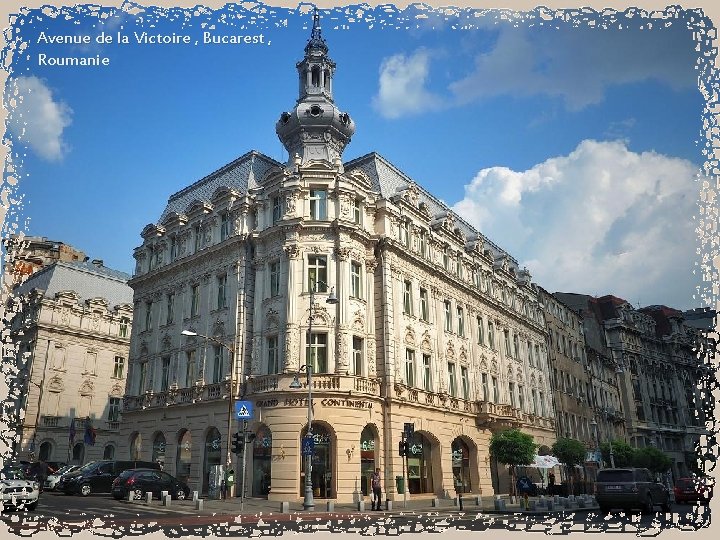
98	476
630	488
141	481
53	479
692	489
16	491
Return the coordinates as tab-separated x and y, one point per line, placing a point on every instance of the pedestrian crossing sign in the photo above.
244	410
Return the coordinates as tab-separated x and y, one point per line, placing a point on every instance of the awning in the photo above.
545	462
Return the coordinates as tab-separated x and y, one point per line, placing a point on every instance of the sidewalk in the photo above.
252	506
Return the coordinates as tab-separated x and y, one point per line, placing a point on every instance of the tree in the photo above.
513	447
570	452
622	453
652	458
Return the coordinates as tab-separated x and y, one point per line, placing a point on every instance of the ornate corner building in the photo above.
435	325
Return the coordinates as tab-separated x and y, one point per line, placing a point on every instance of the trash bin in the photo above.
400	484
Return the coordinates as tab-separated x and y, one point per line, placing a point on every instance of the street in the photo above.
66	514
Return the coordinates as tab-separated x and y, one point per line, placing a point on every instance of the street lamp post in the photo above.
308	500
231	350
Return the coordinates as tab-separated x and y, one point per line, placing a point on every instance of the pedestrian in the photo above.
551	484
376	486
42	473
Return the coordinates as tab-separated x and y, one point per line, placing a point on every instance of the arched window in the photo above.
367	458
135	446
262	462
460	466
109	452
419	462
78	454
322	463
213	446
45	451
183	456
158	449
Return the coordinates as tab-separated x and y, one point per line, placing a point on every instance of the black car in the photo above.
98	476
630	488
141	481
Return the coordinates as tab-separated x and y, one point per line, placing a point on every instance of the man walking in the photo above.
376	486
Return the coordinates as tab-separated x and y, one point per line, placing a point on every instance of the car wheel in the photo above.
85	490
180	495
32	506
137	494
649	505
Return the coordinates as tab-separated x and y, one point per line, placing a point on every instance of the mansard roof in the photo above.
389	181
86	279
240	175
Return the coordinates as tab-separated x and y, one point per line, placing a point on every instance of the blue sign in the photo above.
308	445
244	410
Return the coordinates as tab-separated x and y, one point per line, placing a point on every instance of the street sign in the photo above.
409	429
308	445
243	410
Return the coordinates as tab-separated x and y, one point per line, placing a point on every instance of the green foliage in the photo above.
513	447
622	452
570	452
651	458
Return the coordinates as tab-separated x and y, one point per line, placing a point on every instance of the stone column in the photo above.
342	257
294	273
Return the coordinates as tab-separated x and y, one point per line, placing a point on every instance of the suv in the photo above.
98	476
629	488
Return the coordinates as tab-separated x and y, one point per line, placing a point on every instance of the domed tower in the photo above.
315	129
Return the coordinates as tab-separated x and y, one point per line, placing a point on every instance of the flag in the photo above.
90	434
72	431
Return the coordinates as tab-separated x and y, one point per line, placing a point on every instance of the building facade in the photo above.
28	254
435	325
70	326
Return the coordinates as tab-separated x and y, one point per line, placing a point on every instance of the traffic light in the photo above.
250	437
403	448
237	443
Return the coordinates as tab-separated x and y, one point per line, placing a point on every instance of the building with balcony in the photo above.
70	328
435	326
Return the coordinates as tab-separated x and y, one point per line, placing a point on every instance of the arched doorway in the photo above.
45	451
213	446
135	446
78	454
183	456
262	462
158	449
461	466
367	458
322	463
109	452
419	463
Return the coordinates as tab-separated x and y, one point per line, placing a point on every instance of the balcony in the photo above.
50	421
346	384
433	399
201	392
493	415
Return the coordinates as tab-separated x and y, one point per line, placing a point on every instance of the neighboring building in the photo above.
70	323
435	325
28	254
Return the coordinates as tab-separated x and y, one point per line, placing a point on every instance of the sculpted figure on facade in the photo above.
342	353
370	355
291	349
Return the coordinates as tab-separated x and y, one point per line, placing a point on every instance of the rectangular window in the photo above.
424	312
508	351
190	368
511	391
142	377
485	387
165	375
535	408
409	367
495	390
217	364
427	373
158	257
198	238
448	316
403	235
148	315
491	335
318	204
277	209
119	367
221	292
316	354
446	259
114	409
194	300
317	273
516	347
465	382
224	226
461	321
357	353
169	308
422	244
273	359
173	248
407	298
480	332
521	397
355	280
357	211
459	267
452	385
541	410
531	358
124	324
274	278
90	362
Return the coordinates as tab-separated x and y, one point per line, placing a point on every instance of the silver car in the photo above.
16	491
52	480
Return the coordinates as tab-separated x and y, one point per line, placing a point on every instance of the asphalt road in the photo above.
68	514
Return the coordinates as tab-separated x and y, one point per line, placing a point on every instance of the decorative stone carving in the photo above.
370	355
291	349
271	319
292	251
86	388
358	324
255	354
56	384
342	353
409	335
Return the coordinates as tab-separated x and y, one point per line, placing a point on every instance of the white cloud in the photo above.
402	85
601	220
36	119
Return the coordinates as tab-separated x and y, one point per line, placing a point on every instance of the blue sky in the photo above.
573	148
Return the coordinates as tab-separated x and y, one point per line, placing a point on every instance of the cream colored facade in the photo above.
435	325
71	330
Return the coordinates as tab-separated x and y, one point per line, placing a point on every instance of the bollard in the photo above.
435	502
148	497
166	500
478	500
285	507
195	496
331	506
162	494
388	504
361	505
198	504
131	496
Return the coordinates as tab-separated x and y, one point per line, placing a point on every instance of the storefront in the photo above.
419	463
158	449
461	466
322	464
183	457
212	455
262	462
367	458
